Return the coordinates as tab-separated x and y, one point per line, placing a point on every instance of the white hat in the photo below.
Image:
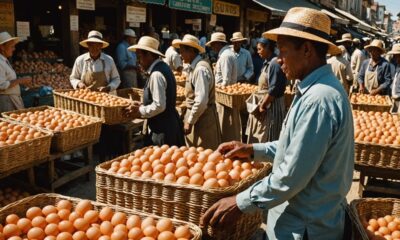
238	37
217	37
96	37
148	44
395	49
130	33
6	37
189	40
345	38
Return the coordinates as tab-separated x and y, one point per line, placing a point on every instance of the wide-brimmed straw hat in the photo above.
345	38
189	40
217	37
95	37
147	43
6	37
376	43
238	37
305	23
395	49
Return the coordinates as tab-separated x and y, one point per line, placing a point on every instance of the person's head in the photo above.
265	48
94	43
7	44
346	40
303	41
237	41
94	49
217	42
189	47
356	43
130	36
396	53
375	49
146	51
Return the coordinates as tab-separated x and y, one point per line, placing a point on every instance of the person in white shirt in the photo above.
357	58
243	58
341	68
347	42
396	78
95	70
172	57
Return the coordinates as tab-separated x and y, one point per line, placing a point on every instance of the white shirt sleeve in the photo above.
76	76
158	87
201	85
115	80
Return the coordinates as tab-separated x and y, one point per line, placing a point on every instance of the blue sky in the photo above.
392	6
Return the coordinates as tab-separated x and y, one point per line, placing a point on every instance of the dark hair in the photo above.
321	48
196	51
267	43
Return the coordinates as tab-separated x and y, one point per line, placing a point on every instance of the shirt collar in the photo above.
87	57
226	47
195	61
152	65
3	58
313	77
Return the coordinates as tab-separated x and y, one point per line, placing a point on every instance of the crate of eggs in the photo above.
367	102
57	217
179	183
109	108
180	78
11	194
55	80
21	144
136	94
377	139
235	95
180	95
376	218
70	129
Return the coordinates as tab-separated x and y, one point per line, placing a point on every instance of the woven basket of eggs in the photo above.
235	95
57	217
376	218
70	129
21	145
367	102
377	139
180	79
107	107
180	183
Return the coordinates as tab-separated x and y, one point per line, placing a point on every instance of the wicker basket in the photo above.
383	156
69	139
366	208
183	202
231	100
42	200
17	155
109	115
373	107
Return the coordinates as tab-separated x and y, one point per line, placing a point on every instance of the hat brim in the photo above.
370	46
344	40
84	43
212	41
15	39
135	47
283	31
189	44
393	52
238	39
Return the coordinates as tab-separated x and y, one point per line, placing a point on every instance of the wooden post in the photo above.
70	43
173	21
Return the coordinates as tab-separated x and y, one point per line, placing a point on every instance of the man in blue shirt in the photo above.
126	60
243	58
305	194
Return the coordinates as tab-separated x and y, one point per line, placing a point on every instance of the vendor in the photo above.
396	78
159	96
95	70
10	95
375	76
126	60
172	56
243	57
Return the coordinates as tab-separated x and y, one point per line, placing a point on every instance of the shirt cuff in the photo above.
142	111
259	151
243	201
5	85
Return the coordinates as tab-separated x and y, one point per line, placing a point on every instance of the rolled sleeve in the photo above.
264	152
201	86
277	80
75	76
177	61
115	80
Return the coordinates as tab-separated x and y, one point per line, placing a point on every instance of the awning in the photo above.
361	24
355	34
280	7
335	17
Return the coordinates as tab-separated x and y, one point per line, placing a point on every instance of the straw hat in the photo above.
6	37
305	23
356	40
376	43
238	37
345	38
217	37
191	41
148	44
395	49
96	37
130	33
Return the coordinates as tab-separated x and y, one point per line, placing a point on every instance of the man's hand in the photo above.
222	214
104	89
187	128
362	88
374	92
235	149
132	111
81	85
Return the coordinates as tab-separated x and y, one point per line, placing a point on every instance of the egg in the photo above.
234	174
119	235
33	212
158	176
53	218
39	222
93	233
147	174
79	235
52	238
197	179
194	170
214	157
210	174
169	168
36	233
64	236
81	224
223	183
106	214
83	206
221	167
73	216
150	231
182	232
170	177
66	226
176	156
222	175
104	238
91	216
51	229
118	218
181	171
181	163
209	166
135	233
106	228
10	230
24	224
245	173
148	221
211	183
13	238
183	180
12	218
382	222
164	224
49	209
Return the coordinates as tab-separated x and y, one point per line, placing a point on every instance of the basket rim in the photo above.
377	145
388	102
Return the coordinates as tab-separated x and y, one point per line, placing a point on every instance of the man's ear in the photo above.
307	49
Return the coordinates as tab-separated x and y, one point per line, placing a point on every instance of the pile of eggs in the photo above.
61	222
180	91
179	77
238	88
100	98
376	127
360	98
195	166
11	133
387	227
52	119
9	195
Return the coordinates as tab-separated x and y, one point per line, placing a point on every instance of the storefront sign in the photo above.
161	2
256	15
74	22
135	14
193	21
201	6
225	8
23	30
7	16
134	24
85	4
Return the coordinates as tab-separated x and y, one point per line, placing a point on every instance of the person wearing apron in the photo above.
226	74
126	60
375	75
95	70
10	95
159	97
265	123
201	124
396	78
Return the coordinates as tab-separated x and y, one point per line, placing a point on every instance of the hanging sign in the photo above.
74	22
225	8
134	24
23	30
160	2
85	4
213	20
7	16
201	6
135	14
256	15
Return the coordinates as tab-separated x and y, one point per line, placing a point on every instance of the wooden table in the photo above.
131	133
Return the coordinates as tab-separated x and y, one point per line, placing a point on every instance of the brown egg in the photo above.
148	221
183	232
36	233
49	209
147	238
121	227
51	229
193	170
181	162
211	183
53	218
73	216
167	235
39	222
169	168
106	214
183	180
223	183
51	238
104	238
10	230
214	157
12	218
133	221
91	216
81	224
83	206
245	173
93	233
209	166
13	238
118	218
170	177
64	236
234	174
223	175
24	224
197	179
210	174
181	171
135	233
106	228
119	235
33	212
150	231
79	235
158	176
164	224
65	226
147	174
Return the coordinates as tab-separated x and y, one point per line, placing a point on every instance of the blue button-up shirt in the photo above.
312	164
124	57
383	71
245	68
